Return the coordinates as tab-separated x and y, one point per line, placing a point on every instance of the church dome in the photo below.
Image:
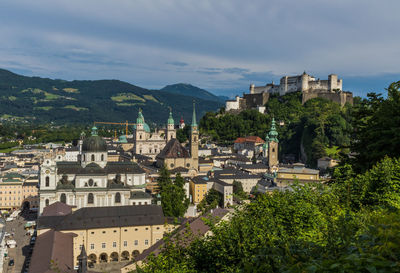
94	143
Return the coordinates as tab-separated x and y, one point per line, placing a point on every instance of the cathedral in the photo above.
175	156
92	181
150	143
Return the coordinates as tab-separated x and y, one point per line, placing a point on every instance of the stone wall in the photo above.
340	97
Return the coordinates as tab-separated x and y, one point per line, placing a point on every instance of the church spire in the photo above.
82	258
273	134
194	123
170	118
94	130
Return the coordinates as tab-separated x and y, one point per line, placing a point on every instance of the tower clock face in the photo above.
47	171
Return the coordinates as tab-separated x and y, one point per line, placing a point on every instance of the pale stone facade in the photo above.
91	181
150	143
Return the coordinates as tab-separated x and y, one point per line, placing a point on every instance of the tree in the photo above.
173	196
376	124
238	189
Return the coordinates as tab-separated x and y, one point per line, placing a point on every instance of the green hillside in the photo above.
45	100
190	90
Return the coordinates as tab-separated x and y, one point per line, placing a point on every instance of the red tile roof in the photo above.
254	139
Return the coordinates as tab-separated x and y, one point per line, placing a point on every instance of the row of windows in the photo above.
90	200
114	244
115	231
93	158
10	192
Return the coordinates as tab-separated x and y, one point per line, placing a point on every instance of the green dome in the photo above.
122	139
170	119
140	118
145	127
94	144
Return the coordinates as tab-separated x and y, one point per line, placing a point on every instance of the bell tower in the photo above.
171	133
272	147
194	140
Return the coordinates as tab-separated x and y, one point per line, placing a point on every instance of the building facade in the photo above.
92	181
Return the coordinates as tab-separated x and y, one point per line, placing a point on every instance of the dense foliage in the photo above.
41	100
378	128
310	131
349	225
173	196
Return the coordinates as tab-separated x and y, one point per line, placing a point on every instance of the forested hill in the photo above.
308	132
190	90
45	100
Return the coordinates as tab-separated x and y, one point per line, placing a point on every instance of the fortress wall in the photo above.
254	100
342	97
315	85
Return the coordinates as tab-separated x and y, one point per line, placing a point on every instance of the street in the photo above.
23	248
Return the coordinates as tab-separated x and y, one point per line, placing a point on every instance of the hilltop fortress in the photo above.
310	88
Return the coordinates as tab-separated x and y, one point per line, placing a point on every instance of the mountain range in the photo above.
43	100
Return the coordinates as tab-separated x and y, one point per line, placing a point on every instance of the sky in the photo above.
222	46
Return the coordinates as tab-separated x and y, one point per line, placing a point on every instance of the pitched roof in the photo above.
198	227
103	217
57	209
254	139
53	252
174	149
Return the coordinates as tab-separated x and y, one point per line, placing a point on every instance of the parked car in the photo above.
11	262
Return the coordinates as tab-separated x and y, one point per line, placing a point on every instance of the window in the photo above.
117	197
125	243
92	232
158	227
136	242
125	230
63	198
103	245
47	181
114	244
92	157
146	242
102	157
115	231
90	198
147	228
80	247
90	182
136	229
47	202
91	246
104	232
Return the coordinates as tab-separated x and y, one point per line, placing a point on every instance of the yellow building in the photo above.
198	189
286	176
108	233
16	192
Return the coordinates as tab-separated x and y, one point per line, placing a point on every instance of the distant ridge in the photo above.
190	90
41	100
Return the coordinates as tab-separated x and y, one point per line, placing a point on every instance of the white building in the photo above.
92	181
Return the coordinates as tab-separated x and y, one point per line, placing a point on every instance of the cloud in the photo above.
177	63
224	45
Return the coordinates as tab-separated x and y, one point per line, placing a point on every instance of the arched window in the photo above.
140	137
47	181
84	157
47	202
117	197
273	150
102	157
63	198
91	182
90	198
92	157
